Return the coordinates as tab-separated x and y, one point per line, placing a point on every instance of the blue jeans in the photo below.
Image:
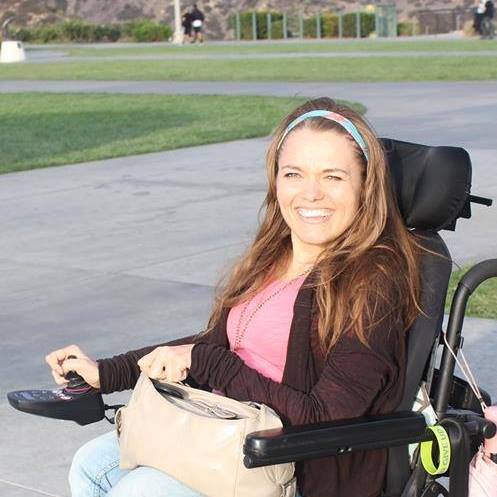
95	473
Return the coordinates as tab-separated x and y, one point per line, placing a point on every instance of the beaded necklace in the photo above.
240	332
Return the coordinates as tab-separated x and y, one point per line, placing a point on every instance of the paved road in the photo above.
121	253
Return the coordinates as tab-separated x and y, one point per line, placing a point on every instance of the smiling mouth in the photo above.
314	216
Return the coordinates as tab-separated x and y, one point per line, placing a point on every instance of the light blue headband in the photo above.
332	116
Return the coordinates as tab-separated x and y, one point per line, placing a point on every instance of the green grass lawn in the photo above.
482	303
455	68
472	45
40	130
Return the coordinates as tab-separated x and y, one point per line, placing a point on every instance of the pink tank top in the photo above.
264	343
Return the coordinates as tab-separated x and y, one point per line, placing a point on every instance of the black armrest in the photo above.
295	443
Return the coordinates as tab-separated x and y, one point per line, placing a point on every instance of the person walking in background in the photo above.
197	17
487	22
186	22
479	12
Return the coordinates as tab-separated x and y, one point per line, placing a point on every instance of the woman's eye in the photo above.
335	178
291	175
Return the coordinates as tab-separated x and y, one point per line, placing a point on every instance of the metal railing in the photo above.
283	25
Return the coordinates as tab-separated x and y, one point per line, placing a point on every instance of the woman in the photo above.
197	17
186	22
312	319
478	17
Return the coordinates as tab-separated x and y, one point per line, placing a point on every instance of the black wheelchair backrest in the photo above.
432	185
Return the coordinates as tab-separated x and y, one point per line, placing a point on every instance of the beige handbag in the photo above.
197	438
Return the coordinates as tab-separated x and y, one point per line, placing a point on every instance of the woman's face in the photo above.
318	185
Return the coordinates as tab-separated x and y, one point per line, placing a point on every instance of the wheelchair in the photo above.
432	186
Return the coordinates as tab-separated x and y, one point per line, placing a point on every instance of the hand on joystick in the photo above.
71	364
74	379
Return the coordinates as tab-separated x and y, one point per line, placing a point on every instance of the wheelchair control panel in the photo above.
77	401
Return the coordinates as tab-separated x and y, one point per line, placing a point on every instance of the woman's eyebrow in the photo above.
336	169
329	170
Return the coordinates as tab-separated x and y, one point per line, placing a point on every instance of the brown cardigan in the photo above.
354	380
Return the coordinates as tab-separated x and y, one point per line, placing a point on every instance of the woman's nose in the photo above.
312	190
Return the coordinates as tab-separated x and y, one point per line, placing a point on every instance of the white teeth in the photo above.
314	212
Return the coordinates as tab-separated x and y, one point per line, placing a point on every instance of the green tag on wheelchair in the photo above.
443	449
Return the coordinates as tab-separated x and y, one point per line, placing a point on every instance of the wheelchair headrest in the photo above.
432	183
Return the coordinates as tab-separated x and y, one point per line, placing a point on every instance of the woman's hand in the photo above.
59	362
167	363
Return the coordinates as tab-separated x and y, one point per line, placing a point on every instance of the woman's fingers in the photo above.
165	364
182	374
157	369
173	374
176	373
57	357
146	361
85	367
60	380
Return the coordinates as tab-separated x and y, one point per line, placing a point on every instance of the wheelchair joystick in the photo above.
77	401
490	444
75	380
76	384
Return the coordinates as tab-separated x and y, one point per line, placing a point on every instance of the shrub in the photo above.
310	30
21	34
150	31
80	31
127	29
107	32
262	24
246	26
367	24
277	29
350	24
47	34
77	30
408	28
246	30
330	25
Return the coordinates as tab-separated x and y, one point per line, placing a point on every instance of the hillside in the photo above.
32	12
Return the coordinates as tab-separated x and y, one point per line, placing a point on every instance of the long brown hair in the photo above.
366	275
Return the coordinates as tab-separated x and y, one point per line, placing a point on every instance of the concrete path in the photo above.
459	114
117	254
455	35
53	56
329	42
